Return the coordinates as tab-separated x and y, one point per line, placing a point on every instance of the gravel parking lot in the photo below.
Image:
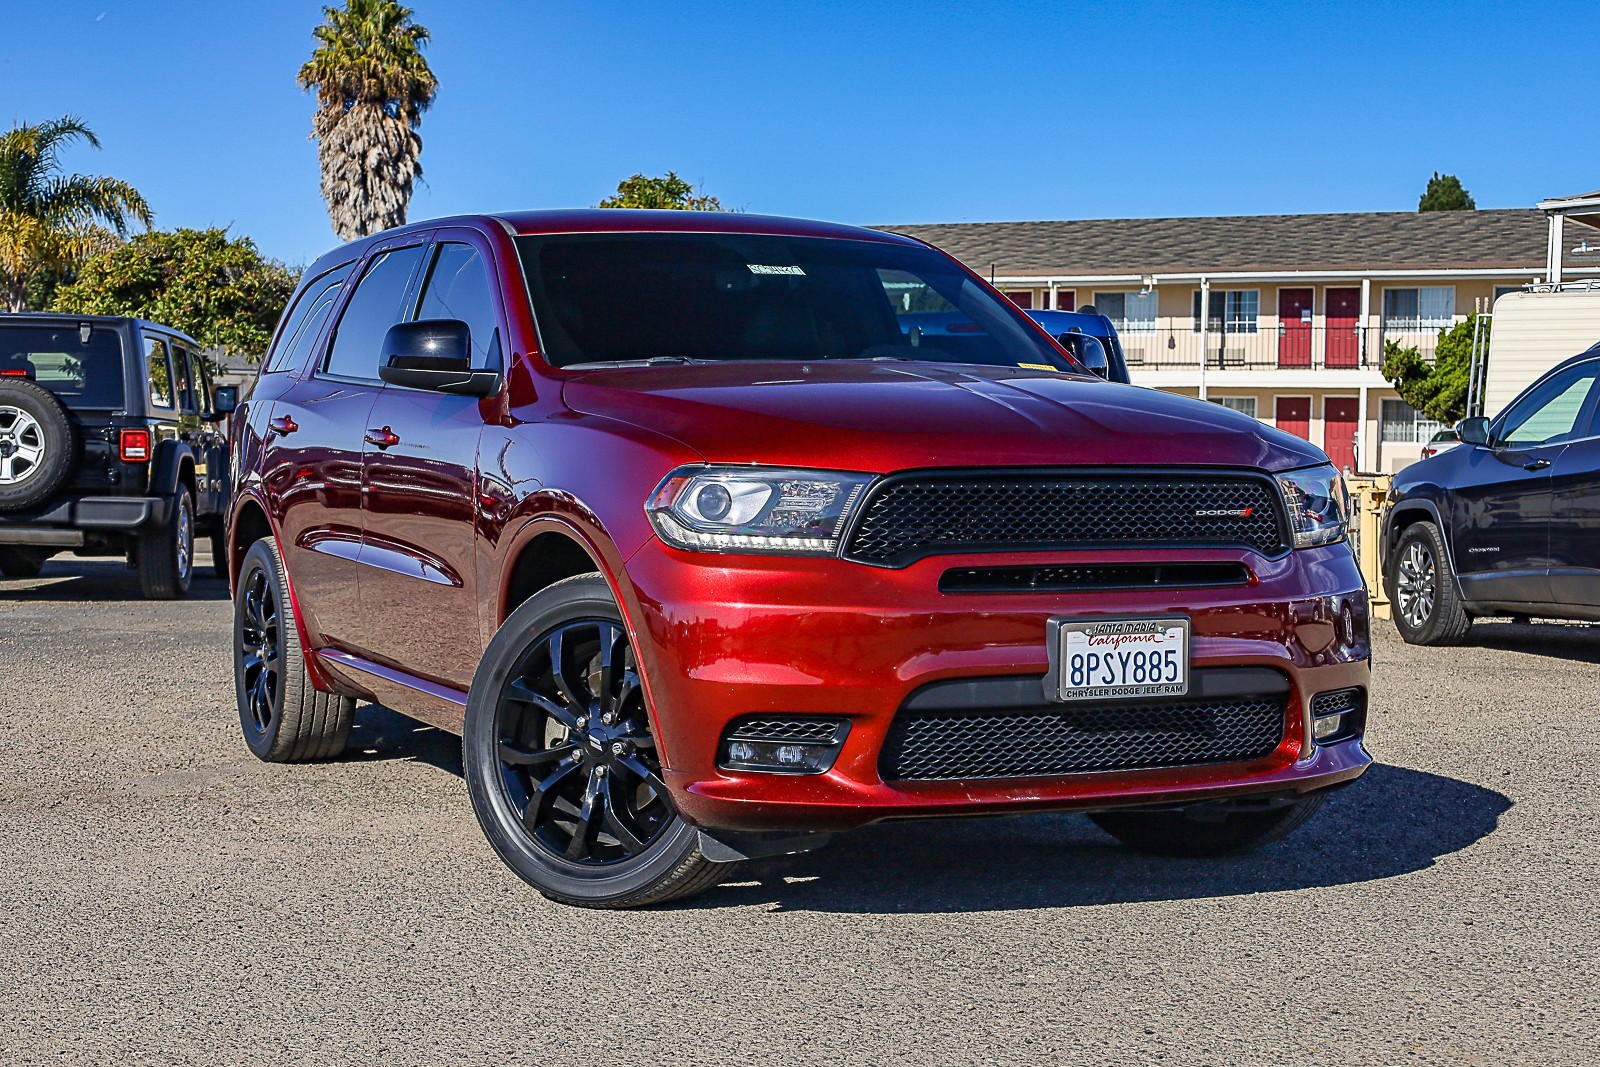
166	898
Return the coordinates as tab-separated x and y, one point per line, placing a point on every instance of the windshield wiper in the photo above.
651	361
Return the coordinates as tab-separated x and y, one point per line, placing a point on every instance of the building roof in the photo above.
1510	238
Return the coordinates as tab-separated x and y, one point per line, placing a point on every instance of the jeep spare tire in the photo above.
37	444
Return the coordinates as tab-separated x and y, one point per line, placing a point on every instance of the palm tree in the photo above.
53	221
372	87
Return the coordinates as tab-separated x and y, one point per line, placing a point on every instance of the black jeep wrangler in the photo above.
109	445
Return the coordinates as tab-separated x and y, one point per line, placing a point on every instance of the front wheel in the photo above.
1427	610
1208	830
561	764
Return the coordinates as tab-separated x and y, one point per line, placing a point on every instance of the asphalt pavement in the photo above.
165	898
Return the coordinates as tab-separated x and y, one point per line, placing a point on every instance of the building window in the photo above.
1245	405
1023	298
1401	424
1419	309
1232	310
1502	290
1128	312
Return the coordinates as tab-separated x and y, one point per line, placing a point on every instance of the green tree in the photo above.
1445	193
670	192
50	221
373	85
222	292
1437	389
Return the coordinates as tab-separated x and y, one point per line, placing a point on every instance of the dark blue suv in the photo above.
1506	523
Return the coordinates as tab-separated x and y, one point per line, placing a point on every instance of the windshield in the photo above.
671	297
84	373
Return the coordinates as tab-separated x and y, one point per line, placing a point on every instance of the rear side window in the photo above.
182	361
158	361
304	321
458	288
371	310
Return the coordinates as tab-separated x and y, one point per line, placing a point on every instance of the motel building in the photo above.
1298	306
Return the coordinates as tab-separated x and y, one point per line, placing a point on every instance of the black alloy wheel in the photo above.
282	714
561	763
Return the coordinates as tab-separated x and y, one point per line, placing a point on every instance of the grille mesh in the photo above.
814	729
915	517
1091	576
1007	743
1336	702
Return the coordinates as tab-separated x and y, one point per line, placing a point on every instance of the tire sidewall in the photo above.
261	557
585	597
1443	578
60	444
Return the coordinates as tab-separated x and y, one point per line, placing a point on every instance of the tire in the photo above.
20	561
1180	833
565	783
1427	608
284	717
38	445
166	551
219	553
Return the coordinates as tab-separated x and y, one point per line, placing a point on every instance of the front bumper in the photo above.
56	521
725	636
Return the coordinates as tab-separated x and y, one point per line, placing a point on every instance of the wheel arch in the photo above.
1406	515
174	466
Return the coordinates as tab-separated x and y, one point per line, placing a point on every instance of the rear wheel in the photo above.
561	764
166	552
1427	609
21	561
1207	829
284	717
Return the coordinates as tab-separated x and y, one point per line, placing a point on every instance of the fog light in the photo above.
1327	726
783	744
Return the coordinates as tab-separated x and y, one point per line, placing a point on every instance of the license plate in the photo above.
1109	657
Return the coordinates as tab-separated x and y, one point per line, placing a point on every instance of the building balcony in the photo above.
1290	346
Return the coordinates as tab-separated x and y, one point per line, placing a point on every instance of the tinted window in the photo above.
458	288
84	373
764	297
292	337
294	354
373	308
182	361
158	362
1550	412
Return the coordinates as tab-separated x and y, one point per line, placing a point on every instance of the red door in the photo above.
1023	298
1066	299
1293	415
1294	327
1344	327
1339	430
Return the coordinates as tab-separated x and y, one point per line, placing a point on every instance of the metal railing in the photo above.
1291	346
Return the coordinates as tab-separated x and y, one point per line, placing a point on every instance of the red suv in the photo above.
707	551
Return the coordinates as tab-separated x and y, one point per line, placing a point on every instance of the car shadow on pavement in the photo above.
1393	821
106	579
1567	641
381	733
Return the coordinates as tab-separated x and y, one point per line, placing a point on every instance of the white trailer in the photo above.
1533	331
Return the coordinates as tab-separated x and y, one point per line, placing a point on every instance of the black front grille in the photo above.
1062	739
915	516
1337	702
1089	576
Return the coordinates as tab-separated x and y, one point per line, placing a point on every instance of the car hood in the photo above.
880	417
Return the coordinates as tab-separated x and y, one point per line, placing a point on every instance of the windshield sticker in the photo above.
765	268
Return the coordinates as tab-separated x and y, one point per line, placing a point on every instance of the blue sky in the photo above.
858	112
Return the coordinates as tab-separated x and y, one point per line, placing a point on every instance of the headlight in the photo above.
755	509
1319	505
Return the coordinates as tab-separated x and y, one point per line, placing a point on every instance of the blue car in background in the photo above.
1090	338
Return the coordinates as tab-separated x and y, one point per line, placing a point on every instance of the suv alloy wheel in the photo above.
561	764
1427	609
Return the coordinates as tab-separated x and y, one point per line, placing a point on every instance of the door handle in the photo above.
1536	465
283	424
384	438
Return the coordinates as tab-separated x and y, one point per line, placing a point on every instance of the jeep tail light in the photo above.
135	446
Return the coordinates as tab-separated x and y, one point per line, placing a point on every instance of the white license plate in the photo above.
1109	657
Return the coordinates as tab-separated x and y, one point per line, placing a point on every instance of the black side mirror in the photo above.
224	402
1473	431
434	354
1088	351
